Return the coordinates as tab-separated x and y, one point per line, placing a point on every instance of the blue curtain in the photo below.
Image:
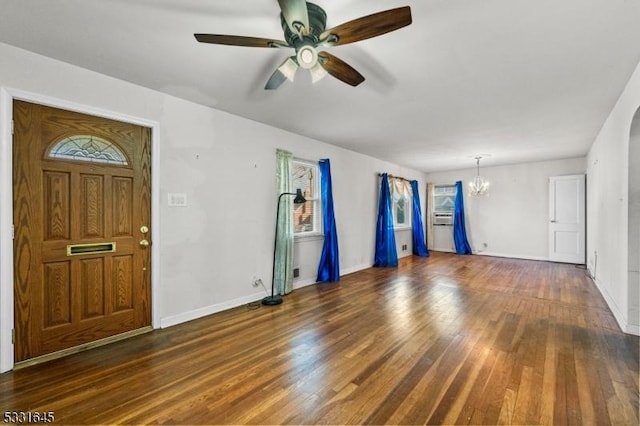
459	230
386	254
329	267
419	242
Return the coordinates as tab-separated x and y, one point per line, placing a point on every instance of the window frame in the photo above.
440	192
442	216
316	200
408	197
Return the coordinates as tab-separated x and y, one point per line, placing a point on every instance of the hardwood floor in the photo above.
441	340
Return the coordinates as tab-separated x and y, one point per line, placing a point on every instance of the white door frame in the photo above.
7	96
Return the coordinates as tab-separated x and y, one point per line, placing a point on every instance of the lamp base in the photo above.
272	300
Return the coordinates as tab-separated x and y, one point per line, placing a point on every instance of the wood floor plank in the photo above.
441	340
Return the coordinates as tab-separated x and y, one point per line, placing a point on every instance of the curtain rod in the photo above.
394	177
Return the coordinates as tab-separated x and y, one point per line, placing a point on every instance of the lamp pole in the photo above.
276	299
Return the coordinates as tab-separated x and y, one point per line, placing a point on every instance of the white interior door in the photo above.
567	219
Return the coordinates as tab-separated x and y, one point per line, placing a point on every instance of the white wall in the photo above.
633	265
608	209
221	241
210	250
513	220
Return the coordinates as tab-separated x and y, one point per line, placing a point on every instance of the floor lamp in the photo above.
276	299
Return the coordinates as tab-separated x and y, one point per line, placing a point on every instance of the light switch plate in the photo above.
177	200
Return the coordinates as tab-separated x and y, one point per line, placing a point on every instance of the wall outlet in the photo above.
256	282
296	272
404	247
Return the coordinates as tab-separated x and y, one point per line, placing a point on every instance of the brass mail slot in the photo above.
78	249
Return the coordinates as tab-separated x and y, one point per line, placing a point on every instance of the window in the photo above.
444	198
306	217
87	148
443	204
401	200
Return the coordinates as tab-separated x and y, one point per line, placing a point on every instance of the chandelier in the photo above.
478	186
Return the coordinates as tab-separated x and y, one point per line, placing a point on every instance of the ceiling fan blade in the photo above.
231	40
296	14
367	26
286	71
340	69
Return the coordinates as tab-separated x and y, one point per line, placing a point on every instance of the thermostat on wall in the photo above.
177	200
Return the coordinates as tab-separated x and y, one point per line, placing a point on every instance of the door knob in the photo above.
144	243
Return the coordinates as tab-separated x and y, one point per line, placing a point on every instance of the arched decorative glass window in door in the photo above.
87	148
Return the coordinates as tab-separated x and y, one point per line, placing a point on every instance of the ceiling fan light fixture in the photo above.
288	69
307	57
317	73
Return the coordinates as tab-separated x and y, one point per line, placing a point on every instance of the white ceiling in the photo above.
520	80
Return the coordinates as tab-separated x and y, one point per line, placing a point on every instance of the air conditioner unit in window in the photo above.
443	218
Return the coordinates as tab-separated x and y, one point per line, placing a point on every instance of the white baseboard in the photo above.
343	272
444	250
618	314
219	307
356	268
208	310
512	256
303	283
495	254
632	329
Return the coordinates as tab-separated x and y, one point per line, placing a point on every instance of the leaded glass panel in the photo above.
87	148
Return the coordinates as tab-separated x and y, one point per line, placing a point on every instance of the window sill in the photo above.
402	228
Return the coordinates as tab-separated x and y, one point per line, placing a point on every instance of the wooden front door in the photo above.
81	212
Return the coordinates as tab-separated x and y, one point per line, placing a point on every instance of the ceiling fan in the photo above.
304	26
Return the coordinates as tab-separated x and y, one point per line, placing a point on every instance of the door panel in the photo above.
567	224
72	203
122	195
92	206
57	294
92	298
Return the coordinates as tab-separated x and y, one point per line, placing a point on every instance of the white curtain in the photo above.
429	203
401	188
284	245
